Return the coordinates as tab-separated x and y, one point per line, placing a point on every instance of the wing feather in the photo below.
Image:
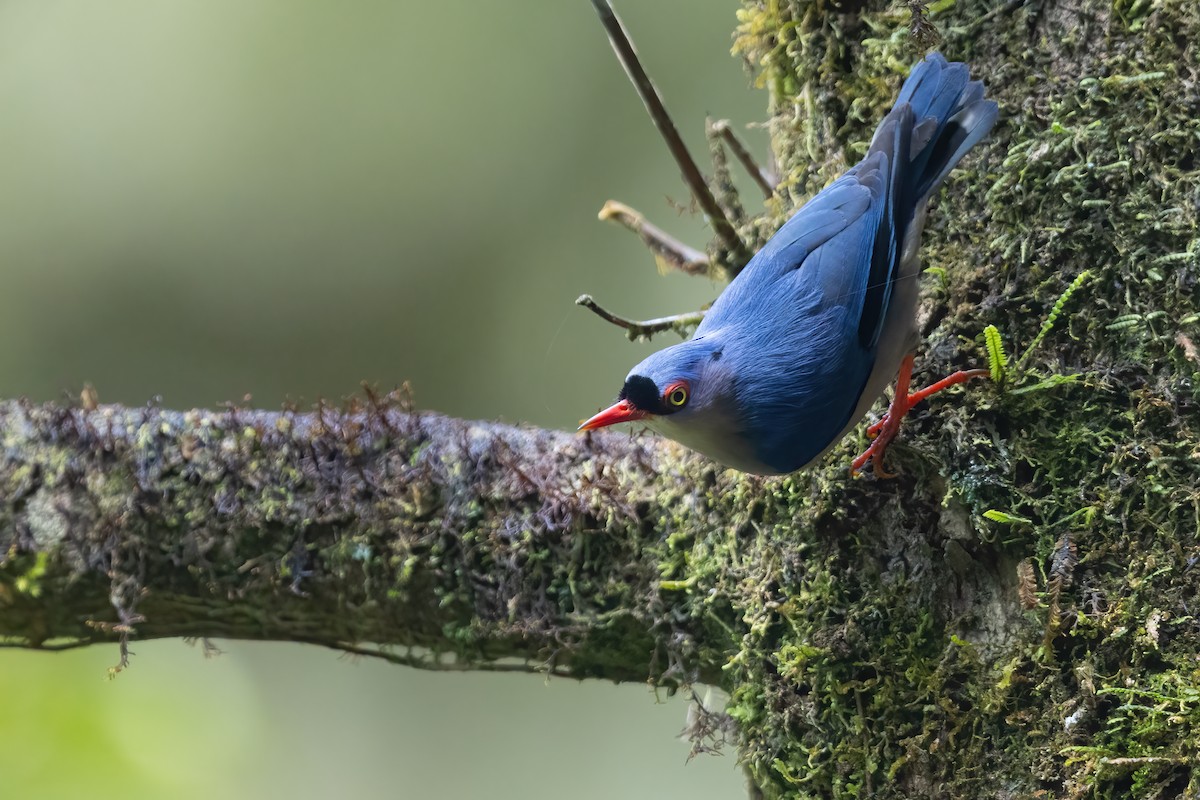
839	207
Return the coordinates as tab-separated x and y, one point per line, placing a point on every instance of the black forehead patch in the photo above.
642	392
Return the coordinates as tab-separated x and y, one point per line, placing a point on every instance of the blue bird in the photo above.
800	344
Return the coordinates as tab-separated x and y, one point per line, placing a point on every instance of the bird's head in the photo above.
690	393
677	385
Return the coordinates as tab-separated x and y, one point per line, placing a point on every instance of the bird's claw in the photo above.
874	429
884	431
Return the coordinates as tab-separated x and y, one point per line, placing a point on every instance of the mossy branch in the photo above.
436	542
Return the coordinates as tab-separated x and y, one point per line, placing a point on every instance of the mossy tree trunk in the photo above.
903	657
1012	617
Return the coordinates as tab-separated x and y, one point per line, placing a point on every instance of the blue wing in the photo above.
791	319
939	115
805	315
844	204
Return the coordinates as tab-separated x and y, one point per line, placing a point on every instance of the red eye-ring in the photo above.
677	394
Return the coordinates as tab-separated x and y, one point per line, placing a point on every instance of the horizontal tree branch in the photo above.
370	529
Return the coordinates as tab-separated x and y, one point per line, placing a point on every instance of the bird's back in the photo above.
822	315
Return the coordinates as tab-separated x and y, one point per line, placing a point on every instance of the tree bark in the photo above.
1010	618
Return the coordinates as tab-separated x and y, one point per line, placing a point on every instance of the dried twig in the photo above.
765	180
683	324
668	251
623	46
919	27
434	663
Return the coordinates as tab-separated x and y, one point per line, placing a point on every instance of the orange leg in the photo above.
884	431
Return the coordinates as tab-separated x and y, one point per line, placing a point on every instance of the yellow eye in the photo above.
677	395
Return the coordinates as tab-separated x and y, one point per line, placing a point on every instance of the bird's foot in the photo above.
884	431
882	434
874	428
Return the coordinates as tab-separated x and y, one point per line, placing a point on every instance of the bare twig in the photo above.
723	186
623	46
668	251
683	324
763	178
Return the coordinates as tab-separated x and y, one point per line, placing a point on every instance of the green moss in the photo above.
29	580
894	660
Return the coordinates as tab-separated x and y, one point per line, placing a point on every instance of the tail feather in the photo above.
950	116
962	132
939	115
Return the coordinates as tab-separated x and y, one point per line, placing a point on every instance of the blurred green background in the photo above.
203	199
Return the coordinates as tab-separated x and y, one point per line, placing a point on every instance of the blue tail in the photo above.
939	115
949	117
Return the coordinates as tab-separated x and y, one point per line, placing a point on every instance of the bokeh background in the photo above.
203	199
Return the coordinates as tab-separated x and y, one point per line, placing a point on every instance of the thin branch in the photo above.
723	186
765	180
731	242
683	324
668	251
